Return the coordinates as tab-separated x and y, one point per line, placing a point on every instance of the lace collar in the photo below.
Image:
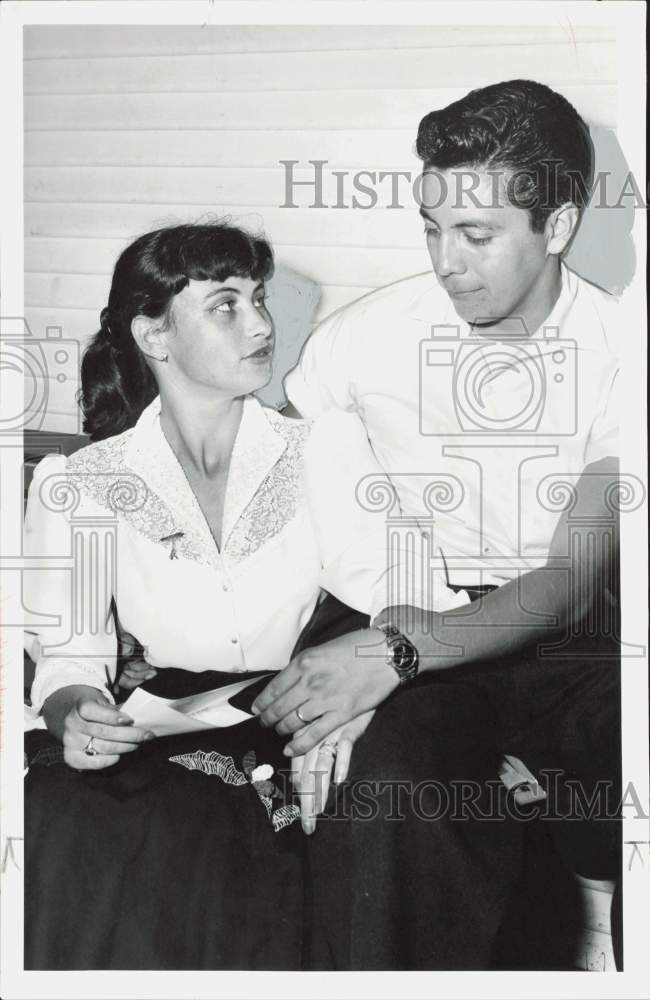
258	447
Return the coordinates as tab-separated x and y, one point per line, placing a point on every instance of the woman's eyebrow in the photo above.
224	288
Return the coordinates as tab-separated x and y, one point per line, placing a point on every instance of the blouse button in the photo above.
226	587
234	640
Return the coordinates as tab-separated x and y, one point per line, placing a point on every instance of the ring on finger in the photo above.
328	747
304	721
89	748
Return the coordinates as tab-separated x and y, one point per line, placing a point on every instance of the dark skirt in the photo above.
170	859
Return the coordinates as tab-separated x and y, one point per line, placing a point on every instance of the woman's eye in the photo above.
224	307
260	302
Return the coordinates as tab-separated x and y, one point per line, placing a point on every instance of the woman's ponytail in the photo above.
116	383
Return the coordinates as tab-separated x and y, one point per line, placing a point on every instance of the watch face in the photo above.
404	655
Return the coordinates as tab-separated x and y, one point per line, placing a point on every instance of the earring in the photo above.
165	357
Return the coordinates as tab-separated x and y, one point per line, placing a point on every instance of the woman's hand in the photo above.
326	687
135	672
77	713
311	773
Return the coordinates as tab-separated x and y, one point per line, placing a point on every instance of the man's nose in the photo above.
447	257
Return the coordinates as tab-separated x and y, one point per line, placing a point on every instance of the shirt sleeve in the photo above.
69	625
324	376
603	441
371	557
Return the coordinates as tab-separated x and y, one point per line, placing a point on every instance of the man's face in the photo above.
483	250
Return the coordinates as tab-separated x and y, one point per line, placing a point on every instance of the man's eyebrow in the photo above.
477	224
467	224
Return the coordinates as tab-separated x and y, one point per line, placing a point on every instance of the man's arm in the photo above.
542	602
341	679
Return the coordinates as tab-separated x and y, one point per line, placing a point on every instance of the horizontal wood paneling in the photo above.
75	41
349	70
324	109
217	186
371	149
377	229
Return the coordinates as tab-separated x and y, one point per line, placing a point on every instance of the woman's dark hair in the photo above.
524	128
116	381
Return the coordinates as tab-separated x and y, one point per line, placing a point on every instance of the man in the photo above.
490	401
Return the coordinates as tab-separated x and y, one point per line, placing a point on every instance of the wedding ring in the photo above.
329	747
89	749
304	721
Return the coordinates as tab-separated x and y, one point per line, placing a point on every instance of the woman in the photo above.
189	523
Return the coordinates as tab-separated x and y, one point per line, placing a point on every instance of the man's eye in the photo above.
478	241
430	232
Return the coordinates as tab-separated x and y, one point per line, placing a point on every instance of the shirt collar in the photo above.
257	448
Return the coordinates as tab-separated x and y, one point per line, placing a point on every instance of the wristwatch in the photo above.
402	656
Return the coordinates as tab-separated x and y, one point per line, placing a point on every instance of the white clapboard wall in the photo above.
127	128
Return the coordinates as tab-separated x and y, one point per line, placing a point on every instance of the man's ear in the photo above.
149	335
560	227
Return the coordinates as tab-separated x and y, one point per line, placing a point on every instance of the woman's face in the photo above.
221	336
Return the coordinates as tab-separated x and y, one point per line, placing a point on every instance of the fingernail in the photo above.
288	752
124	720
149	736
309	826
255	710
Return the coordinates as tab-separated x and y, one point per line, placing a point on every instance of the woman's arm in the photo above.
73	627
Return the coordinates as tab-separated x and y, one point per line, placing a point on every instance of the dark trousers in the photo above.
413	864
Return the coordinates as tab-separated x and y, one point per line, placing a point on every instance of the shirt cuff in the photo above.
52	676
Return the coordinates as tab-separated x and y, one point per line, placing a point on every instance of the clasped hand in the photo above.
326	687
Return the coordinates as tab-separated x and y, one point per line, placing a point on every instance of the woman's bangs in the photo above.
220	255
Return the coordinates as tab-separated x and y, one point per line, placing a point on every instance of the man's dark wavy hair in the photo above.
116	381
521	127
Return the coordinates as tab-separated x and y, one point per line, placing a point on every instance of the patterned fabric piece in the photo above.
212	763
224	767
101	473
284	816
276	500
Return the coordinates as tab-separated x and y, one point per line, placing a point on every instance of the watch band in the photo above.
402	656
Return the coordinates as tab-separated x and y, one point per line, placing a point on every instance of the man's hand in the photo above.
311	773
326	687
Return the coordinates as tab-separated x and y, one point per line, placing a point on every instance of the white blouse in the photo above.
116	528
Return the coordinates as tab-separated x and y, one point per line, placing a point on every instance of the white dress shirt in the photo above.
473	433
116	526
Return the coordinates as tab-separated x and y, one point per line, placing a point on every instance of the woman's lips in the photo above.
262	354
